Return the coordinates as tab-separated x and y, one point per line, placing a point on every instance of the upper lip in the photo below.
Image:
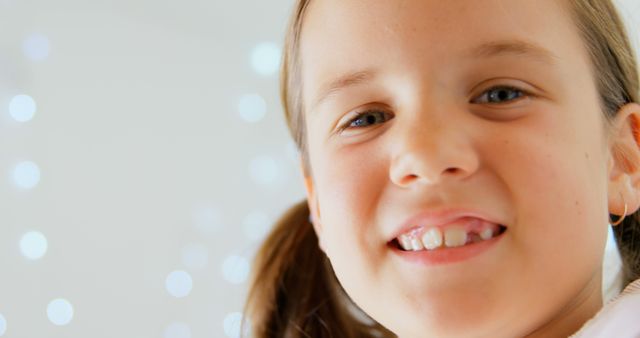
440	218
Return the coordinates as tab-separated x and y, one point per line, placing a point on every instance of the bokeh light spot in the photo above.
60	312
256	225
195	256
179	283
233	324
33	245
36	47
252	107
263	170
3	325
26	175
22	108
207	218
177	330
235	269
265	58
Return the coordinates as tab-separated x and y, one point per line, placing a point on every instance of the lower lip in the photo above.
447	255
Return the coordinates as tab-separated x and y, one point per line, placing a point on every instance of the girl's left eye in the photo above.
500	95
366	119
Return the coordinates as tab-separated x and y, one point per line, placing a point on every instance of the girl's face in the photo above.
416	107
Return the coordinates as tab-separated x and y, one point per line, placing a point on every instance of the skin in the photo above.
543	163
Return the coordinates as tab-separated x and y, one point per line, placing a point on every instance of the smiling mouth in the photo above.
437	239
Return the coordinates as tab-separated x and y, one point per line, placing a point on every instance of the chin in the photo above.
441	316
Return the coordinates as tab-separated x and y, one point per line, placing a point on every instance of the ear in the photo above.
312	201
624	161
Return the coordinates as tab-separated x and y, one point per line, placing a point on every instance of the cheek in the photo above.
558	188
349	183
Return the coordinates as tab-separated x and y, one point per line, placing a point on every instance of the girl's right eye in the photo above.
366	119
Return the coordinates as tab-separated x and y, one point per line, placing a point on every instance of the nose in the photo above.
428	153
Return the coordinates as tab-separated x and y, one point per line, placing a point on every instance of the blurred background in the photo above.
143	156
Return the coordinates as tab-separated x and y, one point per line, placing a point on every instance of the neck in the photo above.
571	318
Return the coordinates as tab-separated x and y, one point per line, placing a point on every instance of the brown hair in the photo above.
294	291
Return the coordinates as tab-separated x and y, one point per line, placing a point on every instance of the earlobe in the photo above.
312	201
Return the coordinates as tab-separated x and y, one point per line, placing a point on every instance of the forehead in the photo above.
343	36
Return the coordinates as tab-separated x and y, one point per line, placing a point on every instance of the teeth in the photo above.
405	242
416	245
432	239
486	234
454	237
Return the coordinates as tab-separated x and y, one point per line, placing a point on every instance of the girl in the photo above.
461	160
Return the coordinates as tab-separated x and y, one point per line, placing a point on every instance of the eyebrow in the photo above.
342	82
486	50
513	47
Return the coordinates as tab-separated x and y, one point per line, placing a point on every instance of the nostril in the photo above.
407	180
452	170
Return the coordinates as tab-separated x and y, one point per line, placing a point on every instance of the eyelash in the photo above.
379	113
503	87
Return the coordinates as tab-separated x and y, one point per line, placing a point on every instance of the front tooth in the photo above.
455	237
405	242
432	238
416	244
486	234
